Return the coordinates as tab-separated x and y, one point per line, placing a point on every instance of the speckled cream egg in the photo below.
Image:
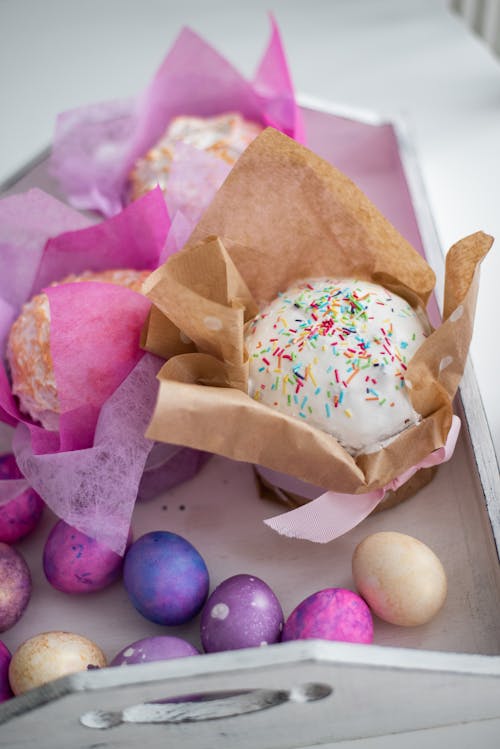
15	586
400	578
49	656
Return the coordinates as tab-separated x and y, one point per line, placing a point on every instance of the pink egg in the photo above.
15	586
5	690
76	563
21	515
160	648
330	614
242	612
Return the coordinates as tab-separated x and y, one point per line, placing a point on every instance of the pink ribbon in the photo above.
330	515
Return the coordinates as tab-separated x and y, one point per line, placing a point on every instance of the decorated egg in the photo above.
49	656
5	690
76	563
161	648
242	612
165	578
20	515
330	614
15	586
402	580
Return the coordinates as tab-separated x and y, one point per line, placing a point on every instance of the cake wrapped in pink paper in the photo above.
277	290
105	153
74	382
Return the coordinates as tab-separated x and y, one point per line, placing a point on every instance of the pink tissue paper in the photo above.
96	146
89	471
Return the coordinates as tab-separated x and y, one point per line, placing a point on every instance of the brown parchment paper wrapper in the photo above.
282	215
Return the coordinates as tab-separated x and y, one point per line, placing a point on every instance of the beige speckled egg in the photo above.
50	655
400	578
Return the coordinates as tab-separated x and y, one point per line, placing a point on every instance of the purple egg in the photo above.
330	614
165	578
161	648
5	690
20	515
15	586
242	612
76	563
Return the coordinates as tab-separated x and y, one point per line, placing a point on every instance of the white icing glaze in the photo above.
334	352
226	136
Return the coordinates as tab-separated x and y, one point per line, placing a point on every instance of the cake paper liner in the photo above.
89	470
12	482
96	146
27	222
331	514
92	324
284	214
95	489
195	176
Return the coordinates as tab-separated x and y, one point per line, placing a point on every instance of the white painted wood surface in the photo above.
223	519
378	690
375	692
415	683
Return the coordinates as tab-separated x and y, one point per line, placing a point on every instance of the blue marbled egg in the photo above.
165	577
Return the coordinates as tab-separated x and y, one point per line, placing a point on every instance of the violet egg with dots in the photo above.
242	612
165	577
159	648
21	515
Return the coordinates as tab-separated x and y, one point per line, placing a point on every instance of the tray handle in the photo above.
206	706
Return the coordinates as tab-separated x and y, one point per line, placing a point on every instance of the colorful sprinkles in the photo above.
325	345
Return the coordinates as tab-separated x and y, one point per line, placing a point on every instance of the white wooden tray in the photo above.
421	686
